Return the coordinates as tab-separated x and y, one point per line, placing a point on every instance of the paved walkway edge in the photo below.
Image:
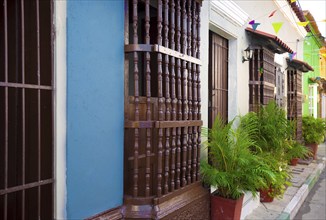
293	207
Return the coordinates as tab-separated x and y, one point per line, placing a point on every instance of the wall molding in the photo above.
230	11
59	84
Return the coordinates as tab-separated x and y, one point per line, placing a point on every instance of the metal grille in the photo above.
294	100
218	78
162	98
26	115
261	78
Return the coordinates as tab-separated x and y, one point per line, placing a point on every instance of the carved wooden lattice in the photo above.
162	98
261	78
294	100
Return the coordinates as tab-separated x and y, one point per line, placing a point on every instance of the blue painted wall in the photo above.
95	83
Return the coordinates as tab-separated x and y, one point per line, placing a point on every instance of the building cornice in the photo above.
230	11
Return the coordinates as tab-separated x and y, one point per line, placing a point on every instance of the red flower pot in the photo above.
226	209
294	161
313	148
264	195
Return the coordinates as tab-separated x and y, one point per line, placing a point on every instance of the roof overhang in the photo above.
299	65
299	13
321	83
270	41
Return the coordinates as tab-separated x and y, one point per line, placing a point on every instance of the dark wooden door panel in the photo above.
218	78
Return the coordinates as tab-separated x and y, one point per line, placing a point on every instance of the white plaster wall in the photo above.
60	108
289	34
204	43
238	99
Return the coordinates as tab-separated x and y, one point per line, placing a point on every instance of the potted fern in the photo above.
233	169
273	131
295	151
313	131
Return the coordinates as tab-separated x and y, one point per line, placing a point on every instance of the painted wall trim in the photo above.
231	11
60	74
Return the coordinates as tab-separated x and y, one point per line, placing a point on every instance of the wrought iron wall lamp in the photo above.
247	54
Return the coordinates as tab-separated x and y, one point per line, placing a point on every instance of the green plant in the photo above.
272	135
313	129
233	168
281	173
296	150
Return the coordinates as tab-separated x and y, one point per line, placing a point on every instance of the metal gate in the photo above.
26	110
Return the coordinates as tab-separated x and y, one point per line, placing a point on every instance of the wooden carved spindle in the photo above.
195	102
184	93
173	95
148	102
190	128
136	91
198	91
179	94
160	101
167	97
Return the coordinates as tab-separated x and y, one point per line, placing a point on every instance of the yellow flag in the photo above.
323	54
277	26
293	1
303	24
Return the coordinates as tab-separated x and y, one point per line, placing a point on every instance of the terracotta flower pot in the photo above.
313	148
226	209
294	161
264	195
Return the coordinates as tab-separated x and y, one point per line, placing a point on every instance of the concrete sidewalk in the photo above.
303	180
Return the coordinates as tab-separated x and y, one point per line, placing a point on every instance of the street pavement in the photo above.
314	206
305	199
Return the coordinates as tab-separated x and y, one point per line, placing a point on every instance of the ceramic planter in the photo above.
294	161
313	148
226	209
264	195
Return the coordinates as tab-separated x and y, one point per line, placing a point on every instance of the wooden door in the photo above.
218	78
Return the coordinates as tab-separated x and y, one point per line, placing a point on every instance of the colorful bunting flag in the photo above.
252	22
277	26
293	1
292	55
323	54
303	24
255	25
272	14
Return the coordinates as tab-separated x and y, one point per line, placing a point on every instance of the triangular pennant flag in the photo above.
255	25
323	54
277	26
252	22
292	55
303	24
272	14
293	1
